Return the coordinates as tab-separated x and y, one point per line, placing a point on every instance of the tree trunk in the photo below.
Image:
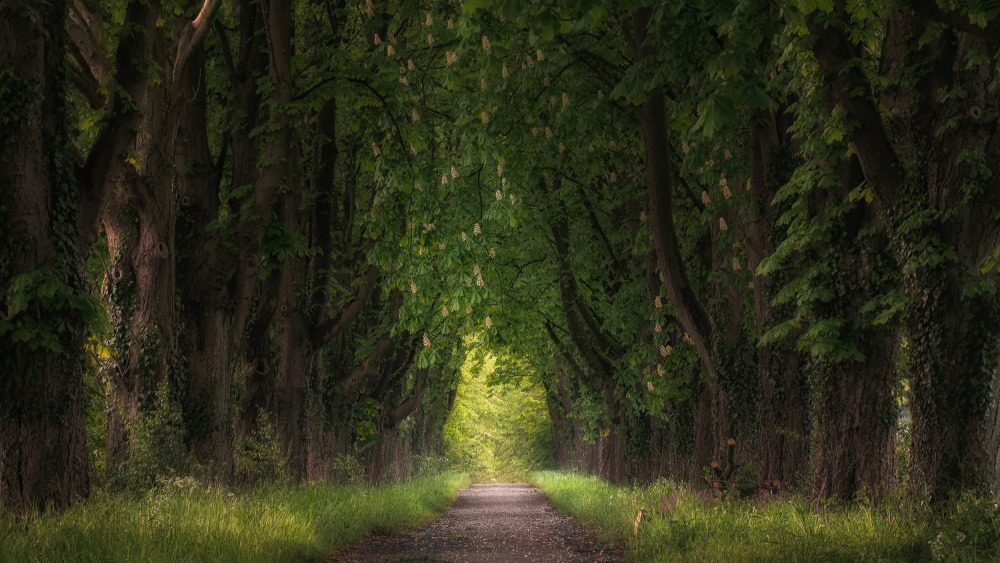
43	447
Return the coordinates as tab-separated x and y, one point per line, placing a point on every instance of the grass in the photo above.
683	524
185	521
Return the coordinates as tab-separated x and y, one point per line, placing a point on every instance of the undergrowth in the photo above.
183	520
680	523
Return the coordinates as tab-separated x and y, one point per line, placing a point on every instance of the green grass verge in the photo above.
682	524
188	522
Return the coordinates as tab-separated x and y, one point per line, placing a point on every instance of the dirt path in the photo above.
491	523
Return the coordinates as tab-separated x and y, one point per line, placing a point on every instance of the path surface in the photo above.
491	523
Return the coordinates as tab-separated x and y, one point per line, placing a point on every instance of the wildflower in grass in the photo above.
479	281
503	181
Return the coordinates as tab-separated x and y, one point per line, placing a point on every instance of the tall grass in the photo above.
185	521
683	524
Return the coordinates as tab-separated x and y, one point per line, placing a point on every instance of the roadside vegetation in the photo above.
184	520
682	523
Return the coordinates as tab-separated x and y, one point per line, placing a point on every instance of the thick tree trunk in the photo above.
783	432
43	447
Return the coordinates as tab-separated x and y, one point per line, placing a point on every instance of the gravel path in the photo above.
491	523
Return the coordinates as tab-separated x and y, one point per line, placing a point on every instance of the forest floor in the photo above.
490	523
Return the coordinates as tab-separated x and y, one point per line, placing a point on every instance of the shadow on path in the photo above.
490	523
